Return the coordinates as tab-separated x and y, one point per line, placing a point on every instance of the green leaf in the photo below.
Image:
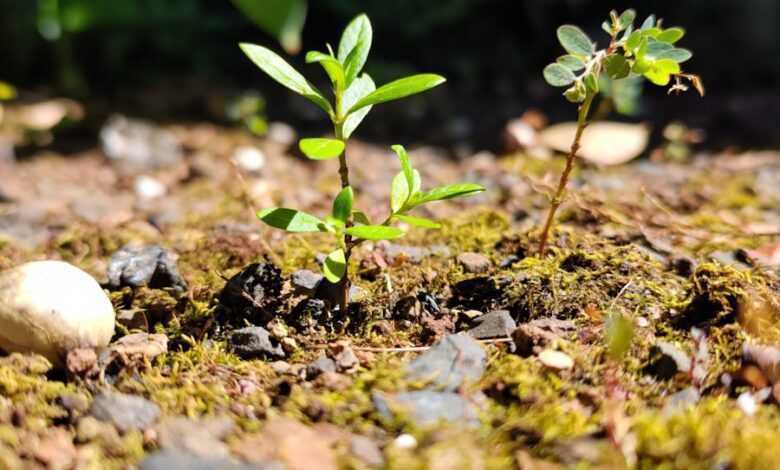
558	75
591	81
671	35
660	71
335	266
361	217
655	48
648	23
417	221
332	67
446	192
375	232
571	62
321	148
406	166
626	18
576	93
399	89
399	192
677	54
574	40
607	27
416	182
616	66
291	220
619	334
354	46
276	67
634	40
282	19
342	205
359	88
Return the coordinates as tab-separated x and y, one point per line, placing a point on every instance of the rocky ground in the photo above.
644	338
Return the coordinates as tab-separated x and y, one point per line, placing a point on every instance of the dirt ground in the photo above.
685	253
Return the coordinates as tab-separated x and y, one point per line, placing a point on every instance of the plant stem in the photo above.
582	122
344	284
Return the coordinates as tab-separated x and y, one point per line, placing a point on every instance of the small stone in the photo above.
73	403
249	159
281	133
427	407
449	363
281	367
178	460
136	144
80	361
255	342
666	360
253	292
319	366
305	282
405	441
413	254
140	346
137	266
346	360
366	450
556	360
474	263
202	438
530	339
508	261
125	412
496	324
51	307
147	188
132	318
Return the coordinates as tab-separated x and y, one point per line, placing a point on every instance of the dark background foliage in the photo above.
173	59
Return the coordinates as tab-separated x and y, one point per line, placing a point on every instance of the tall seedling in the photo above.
354	94
648	51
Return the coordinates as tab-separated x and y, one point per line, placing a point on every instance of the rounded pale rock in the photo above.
556	359
51	307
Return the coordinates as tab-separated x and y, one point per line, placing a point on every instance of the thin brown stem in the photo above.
582	122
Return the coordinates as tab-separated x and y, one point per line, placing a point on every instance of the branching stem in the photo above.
582	122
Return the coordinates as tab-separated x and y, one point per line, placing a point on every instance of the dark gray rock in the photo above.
255	342
366	450
427	407
474	262
320	366
305	282
666	360
253	293
125	412
496	324
179	460
137	266
449	363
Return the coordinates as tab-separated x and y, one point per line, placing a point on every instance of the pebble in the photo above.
255	342
320	366
366	451
281	133
138	266
449	363
249	159
405	441
246	293
556	360
146	187
125	412
346	360
136	144
305	282
203	438
51	307
474	263
496	324
427	407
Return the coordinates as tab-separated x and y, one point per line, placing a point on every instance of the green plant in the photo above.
354	94
648	51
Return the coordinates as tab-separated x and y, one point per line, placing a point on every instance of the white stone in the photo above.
51	307
147	187
249	159
556	359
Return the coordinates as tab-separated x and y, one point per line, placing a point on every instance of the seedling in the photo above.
354	94
648	51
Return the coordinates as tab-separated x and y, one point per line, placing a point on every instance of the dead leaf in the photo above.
602	143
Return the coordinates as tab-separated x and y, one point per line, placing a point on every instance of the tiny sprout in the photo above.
647	51
354	94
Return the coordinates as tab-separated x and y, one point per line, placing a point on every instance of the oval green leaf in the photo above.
291	220
399	192
276	67
446	192
571	62
399	89
616	66
558	75
574	40
359	88
417	221
321	148
354	46
626	18
375	232
671	35
335	266
677	54
342	205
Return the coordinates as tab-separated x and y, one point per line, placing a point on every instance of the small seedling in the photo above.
354	94
648	51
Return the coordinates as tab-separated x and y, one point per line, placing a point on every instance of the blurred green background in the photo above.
178	60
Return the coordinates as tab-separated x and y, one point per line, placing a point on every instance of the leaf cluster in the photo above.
648	51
